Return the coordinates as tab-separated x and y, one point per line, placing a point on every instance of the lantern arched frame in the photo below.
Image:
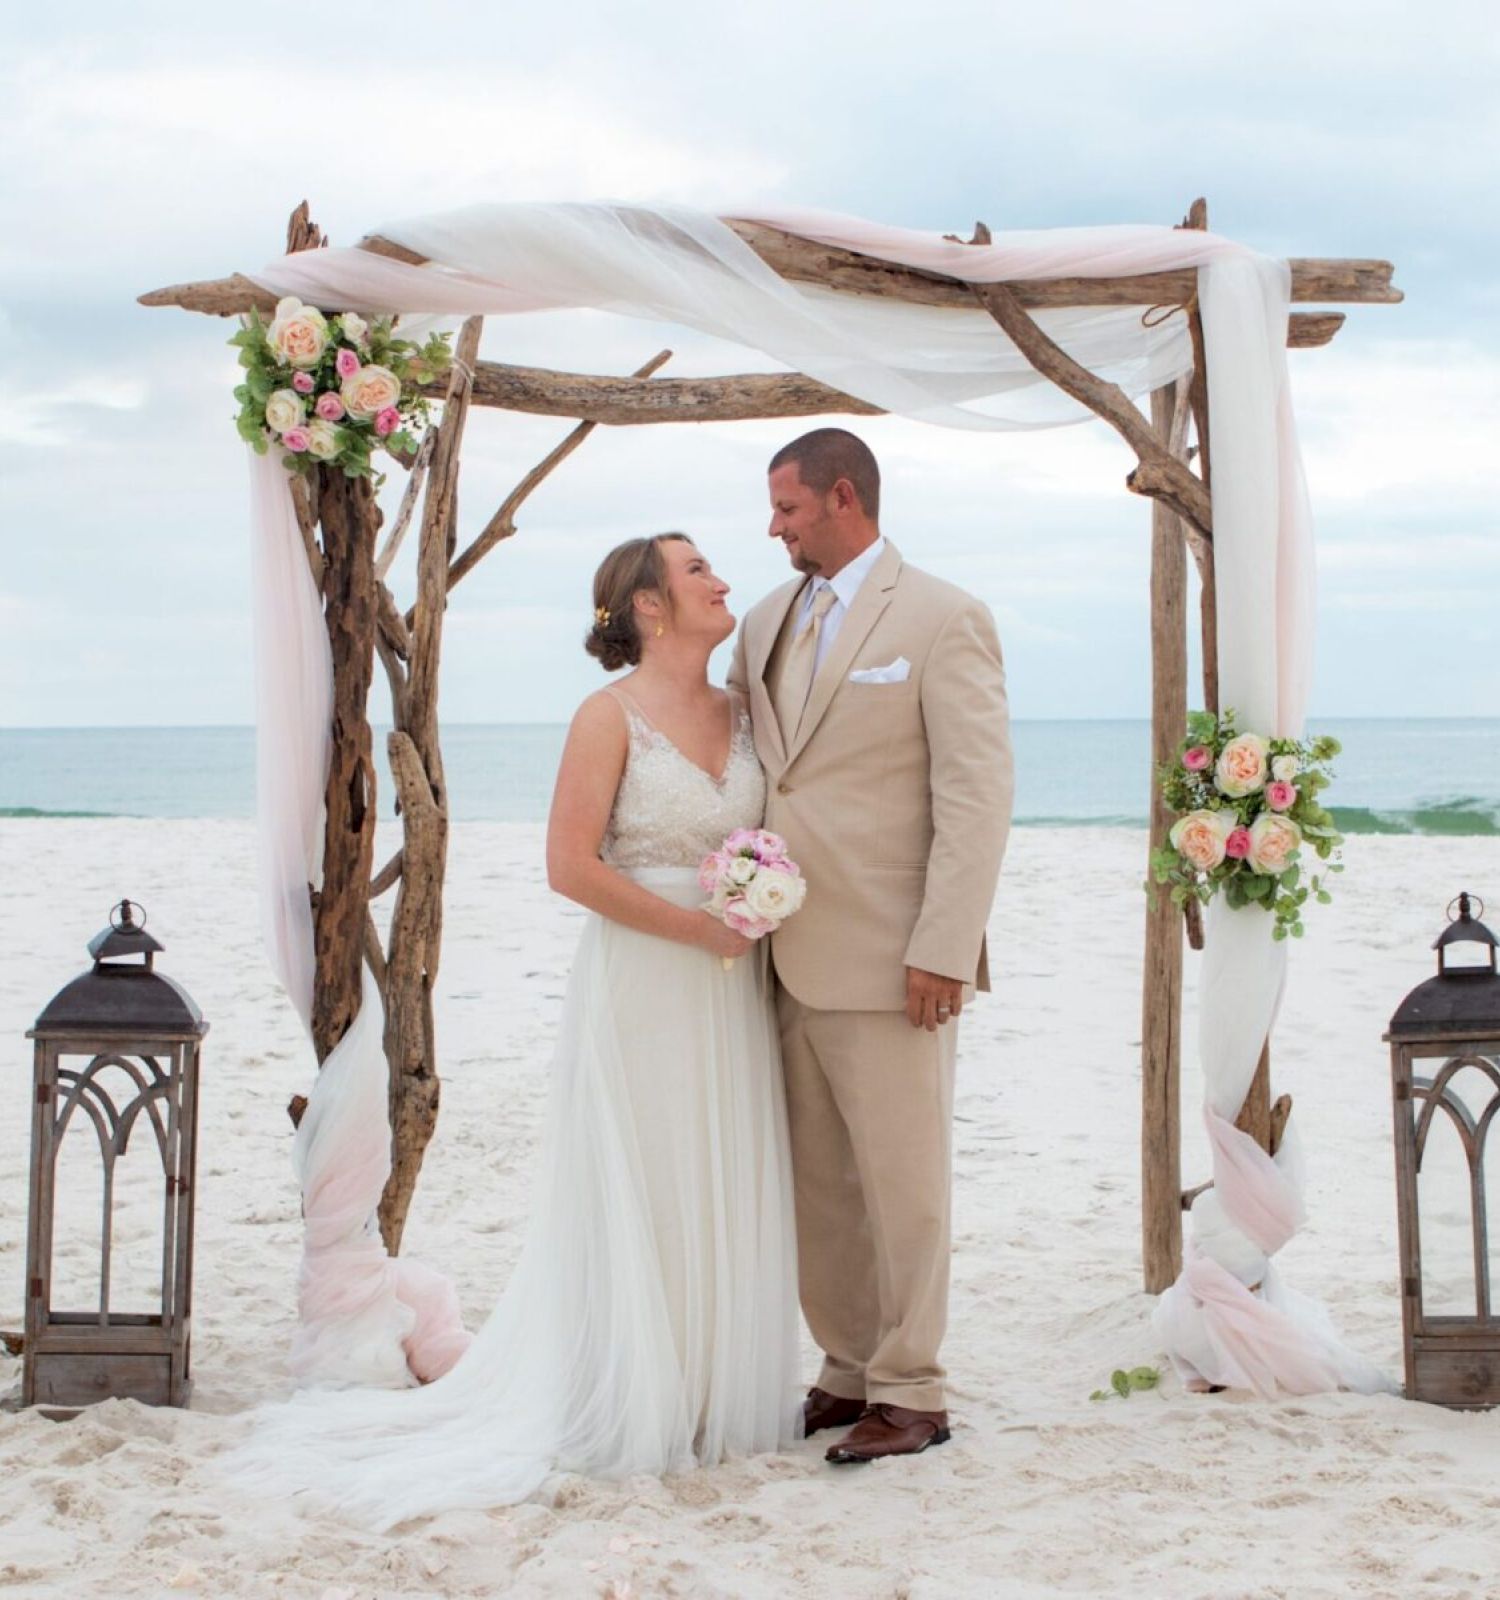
1453	1019
121	1015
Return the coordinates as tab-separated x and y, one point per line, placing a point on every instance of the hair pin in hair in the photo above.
601	616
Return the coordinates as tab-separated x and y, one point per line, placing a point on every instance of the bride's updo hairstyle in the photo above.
614	641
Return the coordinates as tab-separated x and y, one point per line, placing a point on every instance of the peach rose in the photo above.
298	334
1273	842
1243	764
369	390
1200	837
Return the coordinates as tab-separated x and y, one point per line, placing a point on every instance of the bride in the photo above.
650	1323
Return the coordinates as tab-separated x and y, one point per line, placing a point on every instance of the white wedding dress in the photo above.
650	1324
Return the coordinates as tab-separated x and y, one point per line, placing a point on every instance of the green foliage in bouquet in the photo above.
1247	808
333	390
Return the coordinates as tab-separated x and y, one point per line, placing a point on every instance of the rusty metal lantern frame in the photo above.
127	1016
1453	1018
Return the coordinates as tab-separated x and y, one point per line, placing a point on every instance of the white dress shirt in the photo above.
845	584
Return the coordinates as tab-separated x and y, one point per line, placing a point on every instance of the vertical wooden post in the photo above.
417	768
350	518
1161	983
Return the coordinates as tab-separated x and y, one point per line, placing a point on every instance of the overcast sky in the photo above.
152	144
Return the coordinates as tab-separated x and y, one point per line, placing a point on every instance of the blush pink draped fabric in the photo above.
955	368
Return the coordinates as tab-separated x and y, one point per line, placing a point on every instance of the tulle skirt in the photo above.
650	1324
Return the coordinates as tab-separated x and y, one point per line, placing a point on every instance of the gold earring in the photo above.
660	630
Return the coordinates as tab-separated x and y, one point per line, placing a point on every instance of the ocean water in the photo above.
1428	775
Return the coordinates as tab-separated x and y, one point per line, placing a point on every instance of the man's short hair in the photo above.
825	455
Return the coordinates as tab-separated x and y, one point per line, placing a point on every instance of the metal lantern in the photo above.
126	1027
1453	1021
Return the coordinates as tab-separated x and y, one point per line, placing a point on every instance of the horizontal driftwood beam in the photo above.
625	400
804	261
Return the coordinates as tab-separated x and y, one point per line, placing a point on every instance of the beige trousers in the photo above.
870	1104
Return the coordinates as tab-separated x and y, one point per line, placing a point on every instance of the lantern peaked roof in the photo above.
114	997
1459	1001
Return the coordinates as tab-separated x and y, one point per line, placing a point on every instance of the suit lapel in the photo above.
759	643
869	605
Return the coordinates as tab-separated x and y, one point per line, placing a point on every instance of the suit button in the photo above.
783	788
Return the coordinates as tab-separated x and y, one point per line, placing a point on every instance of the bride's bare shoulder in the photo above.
600	719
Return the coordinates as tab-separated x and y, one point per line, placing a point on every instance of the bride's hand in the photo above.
719	939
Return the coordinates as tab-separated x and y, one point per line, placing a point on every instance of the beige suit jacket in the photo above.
894	798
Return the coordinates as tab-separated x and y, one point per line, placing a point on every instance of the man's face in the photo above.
801	519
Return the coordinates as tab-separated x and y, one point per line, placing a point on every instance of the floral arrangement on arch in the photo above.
332	389
1247	805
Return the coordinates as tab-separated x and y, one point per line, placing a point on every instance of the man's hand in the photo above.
931	999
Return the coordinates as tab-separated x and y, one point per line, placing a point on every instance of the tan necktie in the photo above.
798	669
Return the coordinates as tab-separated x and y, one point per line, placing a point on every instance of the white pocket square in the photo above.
897	672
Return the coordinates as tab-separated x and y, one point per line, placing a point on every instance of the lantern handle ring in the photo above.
123	910
1464	901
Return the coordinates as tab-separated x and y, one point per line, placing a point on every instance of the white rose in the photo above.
285	410
742	869
298	334
369	390
322	439
355	329
775	895
1242	765
1285	768
1273	841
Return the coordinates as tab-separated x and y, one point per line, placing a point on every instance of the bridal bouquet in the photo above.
332	389
1247	805
752	884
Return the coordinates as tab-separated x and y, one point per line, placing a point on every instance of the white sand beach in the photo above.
1040	1493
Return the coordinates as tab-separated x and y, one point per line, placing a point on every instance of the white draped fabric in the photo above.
1227	1319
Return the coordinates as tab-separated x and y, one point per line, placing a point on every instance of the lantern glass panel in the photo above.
77	1216
1457	1252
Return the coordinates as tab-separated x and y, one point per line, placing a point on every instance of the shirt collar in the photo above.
846	582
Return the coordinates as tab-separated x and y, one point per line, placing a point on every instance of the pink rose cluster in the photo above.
752	884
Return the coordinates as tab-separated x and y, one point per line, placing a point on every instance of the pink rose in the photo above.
711	870
1280	796
742	839
387	421
303	382
738	915
1200	837
329	407
1196	759
1273	842
770	847
346	363
296	439
1237	845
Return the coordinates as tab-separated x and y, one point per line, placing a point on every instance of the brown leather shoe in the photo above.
824	1410
887	1430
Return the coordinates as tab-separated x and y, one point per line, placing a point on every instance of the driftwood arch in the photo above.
341	526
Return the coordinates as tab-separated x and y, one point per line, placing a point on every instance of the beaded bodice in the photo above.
668	811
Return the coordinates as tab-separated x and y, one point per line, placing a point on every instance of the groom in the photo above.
878	699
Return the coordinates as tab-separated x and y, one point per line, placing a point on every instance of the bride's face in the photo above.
697	596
